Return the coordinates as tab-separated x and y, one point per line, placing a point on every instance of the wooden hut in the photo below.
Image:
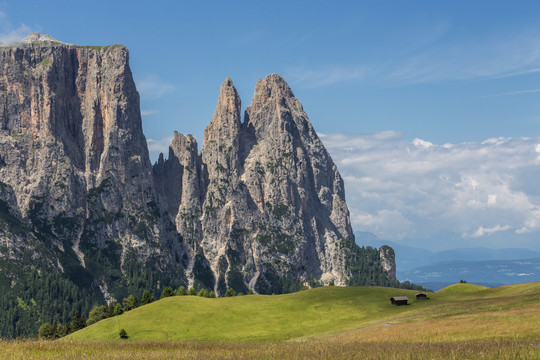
399	300
422	296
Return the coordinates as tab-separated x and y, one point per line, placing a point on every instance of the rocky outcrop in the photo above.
74	156
261	207
266	204
388	261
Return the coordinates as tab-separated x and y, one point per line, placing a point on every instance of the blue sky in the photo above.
399	75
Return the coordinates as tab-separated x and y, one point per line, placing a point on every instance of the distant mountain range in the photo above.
488	273
482	266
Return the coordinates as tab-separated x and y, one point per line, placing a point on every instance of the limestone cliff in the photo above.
388	261
75	161
85	218
263	205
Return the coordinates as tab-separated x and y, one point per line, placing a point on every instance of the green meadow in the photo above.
462	321
316	312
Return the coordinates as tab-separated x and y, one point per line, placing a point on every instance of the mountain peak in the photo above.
225	123
35	36
272	85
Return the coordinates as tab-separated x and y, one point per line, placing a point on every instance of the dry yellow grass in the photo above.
328	348
518	324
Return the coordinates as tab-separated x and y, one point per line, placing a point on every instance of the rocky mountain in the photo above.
84	212
263	201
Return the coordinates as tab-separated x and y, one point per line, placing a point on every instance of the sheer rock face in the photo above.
388	262
272	203
262	206
73	154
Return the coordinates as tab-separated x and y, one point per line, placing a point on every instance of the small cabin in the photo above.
399	300
422	296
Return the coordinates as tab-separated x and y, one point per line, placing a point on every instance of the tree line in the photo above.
57	330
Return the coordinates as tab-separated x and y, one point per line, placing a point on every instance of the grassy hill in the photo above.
462	288
453	313
463	321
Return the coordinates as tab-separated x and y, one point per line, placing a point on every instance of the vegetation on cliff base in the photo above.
365	267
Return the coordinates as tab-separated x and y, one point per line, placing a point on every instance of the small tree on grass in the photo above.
110	309
77	322
212	295
230	292
462	281
203	293
123	334
118	310
46	331
61	330
168	291
192	292
97	313
131	302
146	298
181	291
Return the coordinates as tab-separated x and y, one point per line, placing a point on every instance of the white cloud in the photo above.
160	145
149	112
422	143
153	87
481	231
398	189
12	36
386	223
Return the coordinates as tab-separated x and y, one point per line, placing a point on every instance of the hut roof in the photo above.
399	298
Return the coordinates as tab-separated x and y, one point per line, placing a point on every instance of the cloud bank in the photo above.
401	189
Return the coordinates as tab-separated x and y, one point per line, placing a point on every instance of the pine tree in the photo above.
118	310
97	313
146	298
46	331
110	309
168	291
203	293
54	329
77	322
181	291
131	302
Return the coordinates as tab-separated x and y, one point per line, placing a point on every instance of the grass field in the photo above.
458	322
